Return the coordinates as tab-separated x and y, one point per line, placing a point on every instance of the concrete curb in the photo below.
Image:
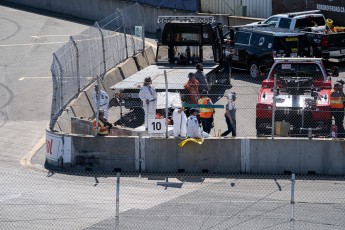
26	160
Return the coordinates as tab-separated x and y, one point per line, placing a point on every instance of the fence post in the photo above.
117	216
143	26
166	103
124	31
97	105
292	202
78	73
274	105
103	50
53	116
61	81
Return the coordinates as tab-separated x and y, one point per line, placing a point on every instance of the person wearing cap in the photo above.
148	96
337	98
230	115
192	85
200	77
180	122
206	114
193	130
103	100
103	124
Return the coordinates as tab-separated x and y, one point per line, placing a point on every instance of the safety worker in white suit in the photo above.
148	96
180	122
193	129
103	100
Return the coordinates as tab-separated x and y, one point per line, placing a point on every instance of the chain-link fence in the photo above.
294	116
300	107
90	54
75	200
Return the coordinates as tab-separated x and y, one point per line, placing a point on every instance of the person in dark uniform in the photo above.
337	99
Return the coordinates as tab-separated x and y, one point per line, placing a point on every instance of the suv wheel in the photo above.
254	69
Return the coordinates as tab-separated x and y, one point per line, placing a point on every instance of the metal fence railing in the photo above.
90	54
77	200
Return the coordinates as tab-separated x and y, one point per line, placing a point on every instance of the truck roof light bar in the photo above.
308	59
186	19
303	12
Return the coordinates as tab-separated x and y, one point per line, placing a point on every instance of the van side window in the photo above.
242	38
285	23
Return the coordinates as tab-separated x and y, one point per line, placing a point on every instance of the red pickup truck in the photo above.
302	88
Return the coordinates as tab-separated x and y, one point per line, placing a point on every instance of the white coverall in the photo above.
103	101
148	93
193	130
180	123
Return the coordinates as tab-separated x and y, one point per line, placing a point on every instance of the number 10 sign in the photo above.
156	126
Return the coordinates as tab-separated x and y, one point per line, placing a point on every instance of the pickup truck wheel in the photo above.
254	69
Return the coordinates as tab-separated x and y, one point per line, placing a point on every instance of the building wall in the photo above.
249	8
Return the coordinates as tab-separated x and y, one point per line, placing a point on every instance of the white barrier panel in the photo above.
54	146
67	152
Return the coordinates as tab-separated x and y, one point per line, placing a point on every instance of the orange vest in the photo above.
101	129
336	100
205	112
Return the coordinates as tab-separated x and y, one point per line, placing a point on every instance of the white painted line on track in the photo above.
42	36
9	197
30	44
28	78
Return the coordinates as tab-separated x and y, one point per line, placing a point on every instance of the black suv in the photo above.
253	48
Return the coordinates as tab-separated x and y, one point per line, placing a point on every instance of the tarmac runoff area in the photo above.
56	201
158	201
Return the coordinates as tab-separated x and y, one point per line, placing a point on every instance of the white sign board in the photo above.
156	126
138	30
54	146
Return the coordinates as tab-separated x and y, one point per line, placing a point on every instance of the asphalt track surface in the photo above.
32	197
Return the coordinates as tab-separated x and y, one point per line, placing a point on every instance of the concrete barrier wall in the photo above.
81	126
112	77
82	106
278	156
128	67
63	123
296	155
105	153
141	61
150	56
214	156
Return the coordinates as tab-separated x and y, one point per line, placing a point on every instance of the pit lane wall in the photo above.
214	155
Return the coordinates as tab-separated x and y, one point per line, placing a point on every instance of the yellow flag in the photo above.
195	140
